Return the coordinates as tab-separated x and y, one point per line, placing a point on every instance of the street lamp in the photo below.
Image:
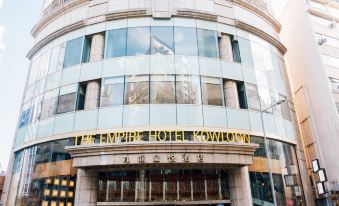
266	147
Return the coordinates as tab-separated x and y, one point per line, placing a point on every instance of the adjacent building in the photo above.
157	102
311	35
2	181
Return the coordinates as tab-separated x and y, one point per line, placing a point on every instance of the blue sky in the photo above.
17	17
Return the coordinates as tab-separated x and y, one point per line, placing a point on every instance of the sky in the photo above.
17	17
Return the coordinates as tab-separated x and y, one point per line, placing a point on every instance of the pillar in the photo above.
231	94
225	48
230	86
92	96
97	47
141	189
86	188
93	87
239	185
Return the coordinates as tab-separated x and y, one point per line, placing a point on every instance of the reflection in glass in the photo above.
73	52
116	43
49	104
185	41
211	91
162	41
138	41
162	89
57	58
113	92
47	176
188	89
207	43
137	90
252	97
67	99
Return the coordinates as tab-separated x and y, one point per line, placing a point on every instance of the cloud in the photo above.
1	1
2	45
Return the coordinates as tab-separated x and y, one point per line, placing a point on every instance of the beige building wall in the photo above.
316	109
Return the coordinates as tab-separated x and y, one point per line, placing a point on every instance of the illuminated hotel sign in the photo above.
163	136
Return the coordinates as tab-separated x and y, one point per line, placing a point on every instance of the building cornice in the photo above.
262	34
55	12
54	35
263	14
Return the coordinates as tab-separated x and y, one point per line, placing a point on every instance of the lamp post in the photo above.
266	148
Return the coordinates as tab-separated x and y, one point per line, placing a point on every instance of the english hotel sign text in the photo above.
163	136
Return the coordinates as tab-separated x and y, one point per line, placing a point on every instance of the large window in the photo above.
138	41
57	58
207	43
49	104
162	89
137	89
116	43
162	40
67	99
188	89
211	91
185	41
253	102
112	92
73	54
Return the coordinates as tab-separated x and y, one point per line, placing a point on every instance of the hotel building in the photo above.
157	102
313	57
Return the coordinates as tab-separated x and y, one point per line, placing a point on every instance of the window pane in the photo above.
188	89
162	89
66	103
211	91
137	90
67	99
49	104
116	43
138	41
87	49
73	52
57	58
113	92
162	41
252	97
185	41
208	43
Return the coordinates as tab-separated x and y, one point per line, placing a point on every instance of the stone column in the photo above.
231	94
97	47
230	87
239	185
141	189
92	95
93	87
86	188
225	48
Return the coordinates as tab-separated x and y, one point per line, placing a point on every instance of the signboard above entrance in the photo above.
163	136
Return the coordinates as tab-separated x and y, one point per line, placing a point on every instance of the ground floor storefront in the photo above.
64	173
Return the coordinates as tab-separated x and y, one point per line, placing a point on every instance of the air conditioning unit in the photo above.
322	41
333	24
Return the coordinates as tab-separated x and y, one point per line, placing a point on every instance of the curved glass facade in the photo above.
143	75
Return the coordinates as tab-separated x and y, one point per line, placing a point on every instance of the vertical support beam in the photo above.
93	87
231	94
239	184
97	47
225	48
86	188
230	87
141	188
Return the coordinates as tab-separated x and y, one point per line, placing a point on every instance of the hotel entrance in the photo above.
164	187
